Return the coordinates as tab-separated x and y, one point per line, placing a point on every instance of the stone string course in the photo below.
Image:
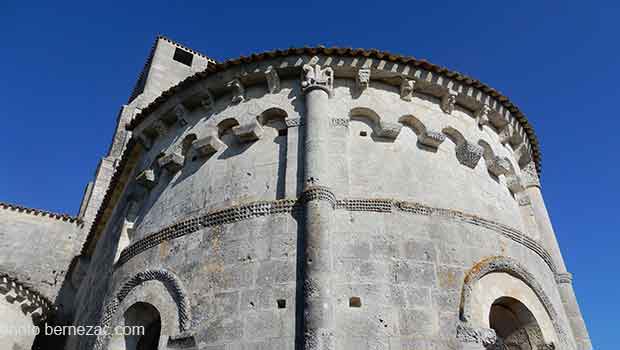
291	206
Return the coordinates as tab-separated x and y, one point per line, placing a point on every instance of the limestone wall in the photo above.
422	198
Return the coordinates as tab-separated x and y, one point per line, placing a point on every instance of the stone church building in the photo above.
313	199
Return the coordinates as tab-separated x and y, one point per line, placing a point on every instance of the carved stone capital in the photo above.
362	79
248	132
238	90
208	101
207	146
146	179
407	87
482	336
482	115
529	176
389	130
431	138
448	101
468	154
315	77
273	80
173	162
498	166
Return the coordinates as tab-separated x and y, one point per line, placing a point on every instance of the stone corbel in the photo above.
238	90
248	132
448	101
160	127
389	130
523	155
482	115
172	162
273	80
208	102
315	77
468	153
513	182
207	146
407	87
431	139
180	112
529	176
498	166
362	79
147	179
510	135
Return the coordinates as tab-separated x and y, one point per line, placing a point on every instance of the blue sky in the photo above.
67	68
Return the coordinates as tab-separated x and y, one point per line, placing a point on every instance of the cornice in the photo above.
400	66
39	212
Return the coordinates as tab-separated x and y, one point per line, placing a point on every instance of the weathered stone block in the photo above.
208	146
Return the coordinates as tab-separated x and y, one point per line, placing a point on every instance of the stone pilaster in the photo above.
318	319
531	183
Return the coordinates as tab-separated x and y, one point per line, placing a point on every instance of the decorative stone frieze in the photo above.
482	336
238	90
498	166
407	87
482	115
388	130
448	101
273	80
529	176
292	206
208	101
431	139
248	132
362	78
172	162
315	77
207	146
293	122
339	122
468	153
147	179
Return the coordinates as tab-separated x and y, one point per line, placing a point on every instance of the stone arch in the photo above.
381	129
225	126
270	114
141	314
172	284
501	264
467	153
515	325
414	123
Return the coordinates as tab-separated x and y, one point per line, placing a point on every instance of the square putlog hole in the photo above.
281	303
355	302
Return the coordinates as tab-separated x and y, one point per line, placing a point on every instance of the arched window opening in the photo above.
146	317
515	325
